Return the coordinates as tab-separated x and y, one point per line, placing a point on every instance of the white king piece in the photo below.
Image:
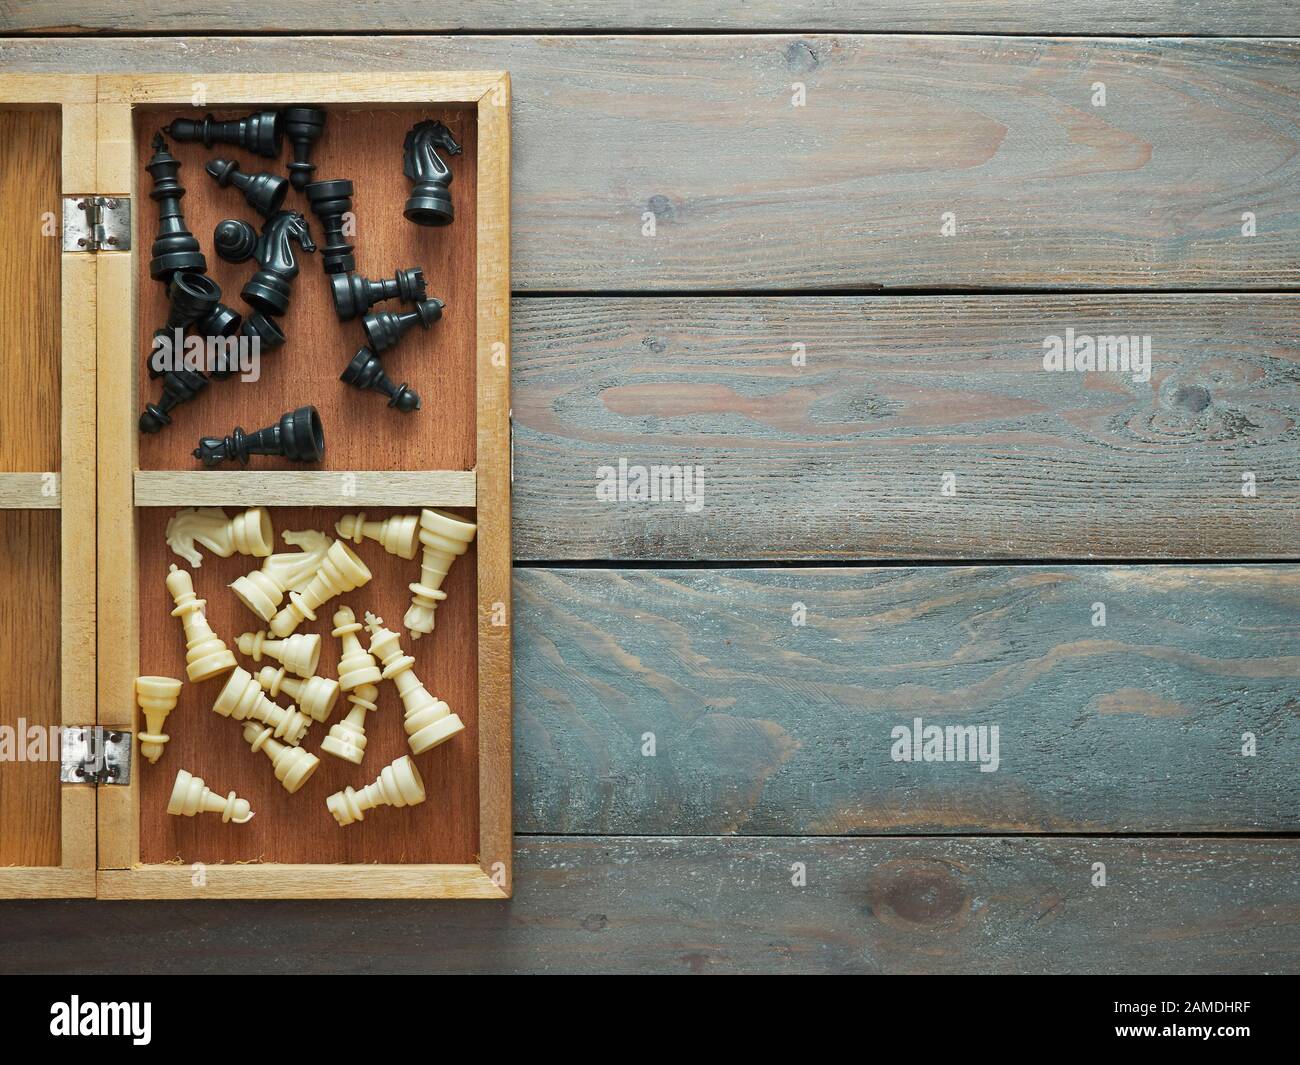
444	537
249	533
340	572
263	589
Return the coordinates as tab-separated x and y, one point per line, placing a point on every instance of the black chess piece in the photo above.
260	133
303	126
235	240
191	297
268	289
175	247
430	200
263	192
330	201
385	328
297	436
267	331
219	327
354	294
179	386
366	371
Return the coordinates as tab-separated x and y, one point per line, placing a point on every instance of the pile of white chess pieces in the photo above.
321	569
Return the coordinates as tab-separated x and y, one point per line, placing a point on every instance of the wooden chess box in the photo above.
84	496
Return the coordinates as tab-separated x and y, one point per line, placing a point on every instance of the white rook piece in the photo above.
249	533
242	698
398	535
358	675
292	765
156	697
205	655
315	696
299	653
263	589
398	785
445	537
427	721
341	571
191	796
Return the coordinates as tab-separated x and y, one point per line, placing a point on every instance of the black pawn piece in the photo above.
263	192
354	294
268	289
221	325
179	386
268	333
303	126
175	247
385	328
366	371
430	201
330	201
297	436
259	133
191	296
235	240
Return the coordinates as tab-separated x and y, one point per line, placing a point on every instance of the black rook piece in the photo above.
175	247
385	328
235	240
179	386
263	192
430	201
366	371
354	294
259	133
297	436
268	289
303	126
330	201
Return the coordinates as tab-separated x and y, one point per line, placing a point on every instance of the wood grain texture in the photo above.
848	191
29	491
1108	17
728	905
298	828
765	727
844	456
361	431
312	881
299	487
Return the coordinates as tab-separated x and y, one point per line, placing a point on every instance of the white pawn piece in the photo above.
315	696
249	533
205	655
156	697
191	796
398	785
340	572
428	721
444	537
398	535
242	698
292	765
300	653
358	675
263	589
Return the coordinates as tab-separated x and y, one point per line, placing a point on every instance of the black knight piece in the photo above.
385	328
174	248
260	133
330	201
179	386
268	289
235	240
365	371
297	436
354	294
263	192
303	126
430	200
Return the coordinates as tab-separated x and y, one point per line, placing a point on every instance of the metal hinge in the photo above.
95	755
96	223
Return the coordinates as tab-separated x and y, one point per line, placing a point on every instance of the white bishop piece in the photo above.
263	589
445	537
398	784
358	675
299	653
205	655
249	533
191	796
242	698
156	697
428	721
315	696
292	765
398	535
340	572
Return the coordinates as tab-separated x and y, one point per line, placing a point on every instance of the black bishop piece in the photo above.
365	371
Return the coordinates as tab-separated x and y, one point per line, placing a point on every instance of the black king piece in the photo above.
175	248
297	436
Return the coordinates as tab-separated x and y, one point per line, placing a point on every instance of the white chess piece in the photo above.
358	675
292	765
397	785
427	721
445	537
205	655
262	590
398	535
156	697
191	796
299	653
315	696
340	572
249	533
242	699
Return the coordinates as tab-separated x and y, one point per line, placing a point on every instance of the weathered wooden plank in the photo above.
844	456
729	905
1106	17
761	725
699	134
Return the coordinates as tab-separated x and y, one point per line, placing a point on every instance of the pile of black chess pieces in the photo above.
195	299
